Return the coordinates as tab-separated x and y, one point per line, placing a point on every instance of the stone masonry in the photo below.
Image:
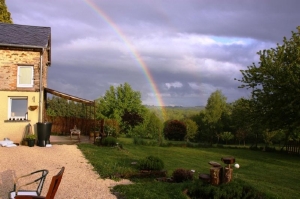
10	59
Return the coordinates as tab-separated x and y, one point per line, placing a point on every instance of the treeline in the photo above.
175	112
217	122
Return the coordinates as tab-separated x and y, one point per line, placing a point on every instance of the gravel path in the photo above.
79	179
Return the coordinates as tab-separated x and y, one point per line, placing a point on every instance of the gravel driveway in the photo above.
79	179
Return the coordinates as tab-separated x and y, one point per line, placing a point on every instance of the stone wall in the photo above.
10	59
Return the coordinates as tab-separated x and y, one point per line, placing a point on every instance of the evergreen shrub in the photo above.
151	163
109	141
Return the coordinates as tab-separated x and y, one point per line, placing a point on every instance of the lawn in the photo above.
276	174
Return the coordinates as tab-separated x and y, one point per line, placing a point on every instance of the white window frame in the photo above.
19	76
10	117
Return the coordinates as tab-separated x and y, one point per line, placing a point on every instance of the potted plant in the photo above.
30	139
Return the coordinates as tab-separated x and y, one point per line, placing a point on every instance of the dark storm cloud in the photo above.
190	47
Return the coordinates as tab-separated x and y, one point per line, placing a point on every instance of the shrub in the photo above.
175	130
141	141
234	189
109	141
180	175
111	128
151	163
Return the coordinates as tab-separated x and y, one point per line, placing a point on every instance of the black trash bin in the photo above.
43	133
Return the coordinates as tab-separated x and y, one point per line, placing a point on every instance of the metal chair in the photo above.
52	188
40	180
75	131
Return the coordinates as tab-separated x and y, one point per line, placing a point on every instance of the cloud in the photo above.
190	48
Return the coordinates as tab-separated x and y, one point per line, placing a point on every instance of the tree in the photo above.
268	137
175	130
241	135
131	119
275	86
242	118
111	128
5	16
226	136
65	108
119	101
191	129
57	106
154	128
203	134
215	107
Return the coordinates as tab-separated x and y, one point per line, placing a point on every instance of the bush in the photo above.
151	163
175	130
109	141
141	141
111	128
234	189
180	175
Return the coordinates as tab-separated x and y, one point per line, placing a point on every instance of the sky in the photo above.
174	52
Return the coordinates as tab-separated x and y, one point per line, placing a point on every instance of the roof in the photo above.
69	97
24	36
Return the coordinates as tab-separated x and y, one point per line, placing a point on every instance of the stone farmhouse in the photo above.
25	55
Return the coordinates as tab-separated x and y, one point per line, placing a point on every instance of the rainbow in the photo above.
133	51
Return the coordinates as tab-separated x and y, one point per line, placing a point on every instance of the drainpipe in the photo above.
41	93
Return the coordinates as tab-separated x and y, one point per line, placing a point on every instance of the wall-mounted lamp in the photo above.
33	99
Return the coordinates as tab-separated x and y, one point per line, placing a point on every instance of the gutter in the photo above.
22	46
41	100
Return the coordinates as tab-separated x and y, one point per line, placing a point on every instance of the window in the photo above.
18	108
25	76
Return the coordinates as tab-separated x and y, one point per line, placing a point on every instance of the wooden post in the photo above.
215	175
227	174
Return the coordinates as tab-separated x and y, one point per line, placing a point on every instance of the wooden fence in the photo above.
62	125
293	147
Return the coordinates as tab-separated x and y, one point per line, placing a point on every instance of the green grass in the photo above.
276	174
